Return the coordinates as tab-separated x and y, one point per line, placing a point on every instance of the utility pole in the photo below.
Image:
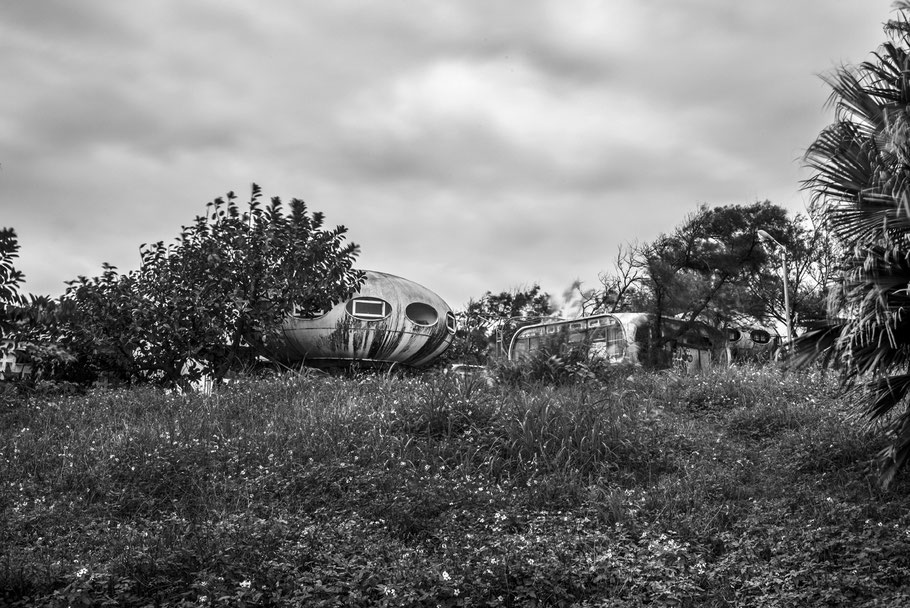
764	236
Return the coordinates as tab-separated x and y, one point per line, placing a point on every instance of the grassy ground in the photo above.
743	487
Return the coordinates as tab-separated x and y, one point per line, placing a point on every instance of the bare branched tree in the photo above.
619	286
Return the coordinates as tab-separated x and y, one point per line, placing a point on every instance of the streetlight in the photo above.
767	237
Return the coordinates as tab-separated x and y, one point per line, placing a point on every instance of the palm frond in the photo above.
894	457
860	183
851	99
817	344
885	393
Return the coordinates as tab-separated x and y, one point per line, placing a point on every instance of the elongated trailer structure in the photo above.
390	320
627	338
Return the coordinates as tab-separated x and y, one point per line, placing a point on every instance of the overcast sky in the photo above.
467	145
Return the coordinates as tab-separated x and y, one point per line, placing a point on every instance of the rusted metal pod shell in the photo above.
390	320
752	341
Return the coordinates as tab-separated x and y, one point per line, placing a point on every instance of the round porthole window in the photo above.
733	334
368	309
760	336
421	314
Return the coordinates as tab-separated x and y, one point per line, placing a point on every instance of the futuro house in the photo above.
390	320
752	342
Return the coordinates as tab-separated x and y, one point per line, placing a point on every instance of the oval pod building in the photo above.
390	320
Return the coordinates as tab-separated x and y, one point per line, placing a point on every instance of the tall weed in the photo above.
401	491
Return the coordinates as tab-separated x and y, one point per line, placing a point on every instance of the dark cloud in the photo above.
98	115
81	23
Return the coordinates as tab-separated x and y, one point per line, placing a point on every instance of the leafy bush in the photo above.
212	301
486	325
10	278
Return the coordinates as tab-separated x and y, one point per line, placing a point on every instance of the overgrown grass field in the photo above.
741	487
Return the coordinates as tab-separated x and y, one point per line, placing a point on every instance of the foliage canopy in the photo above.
10	277
211	301
491	321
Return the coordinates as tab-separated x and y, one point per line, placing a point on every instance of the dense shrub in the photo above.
210	302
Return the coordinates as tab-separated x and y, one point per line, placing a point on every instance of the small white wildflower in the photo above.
445	576
246	584
81	572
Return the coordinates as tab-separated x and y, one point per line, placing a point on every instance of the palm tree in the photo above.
861	188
